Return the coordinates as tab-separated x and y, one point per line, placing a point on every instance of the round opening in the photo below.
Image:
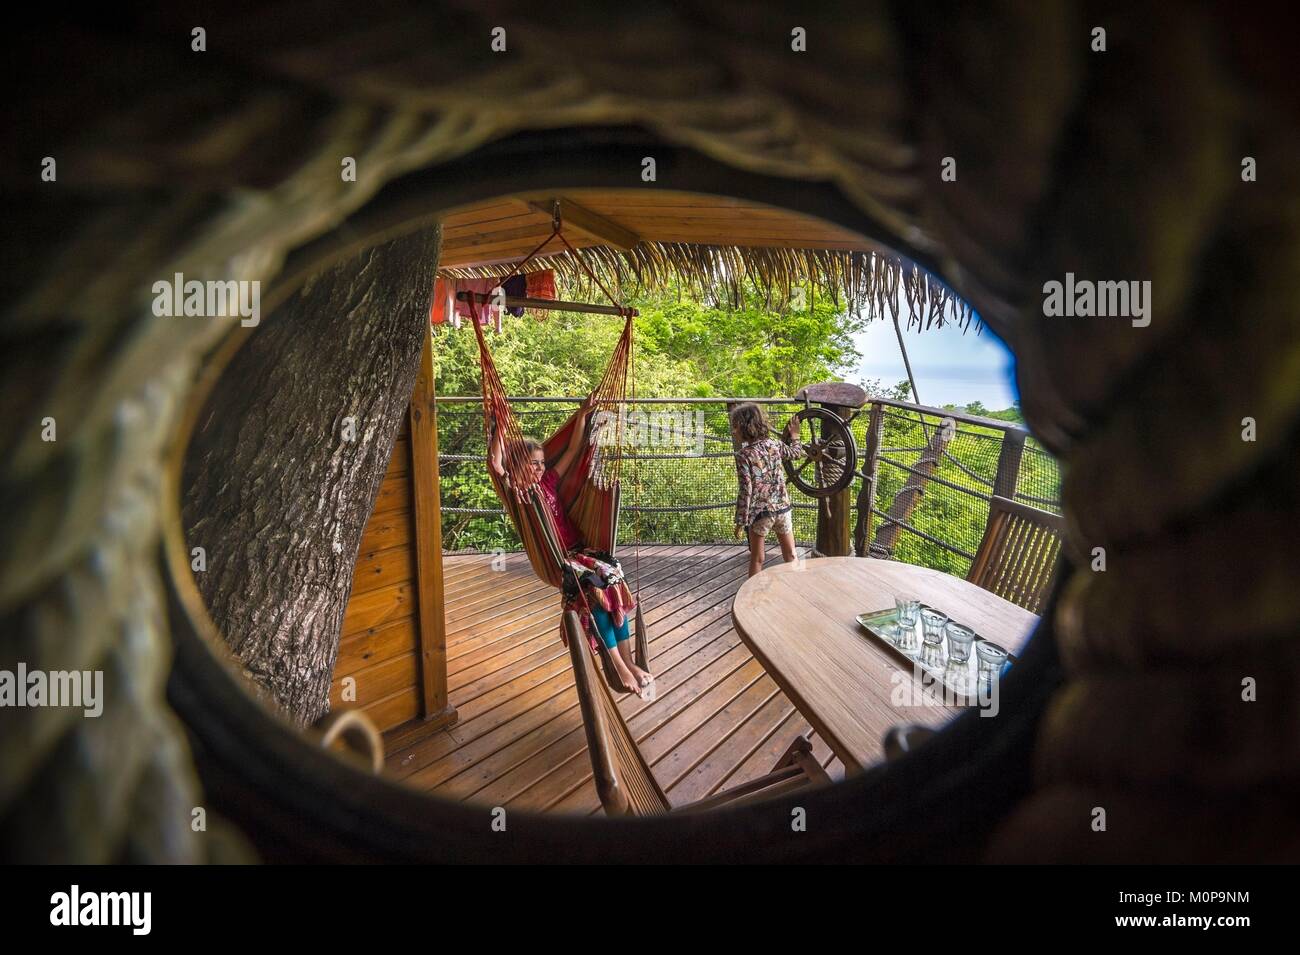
520	725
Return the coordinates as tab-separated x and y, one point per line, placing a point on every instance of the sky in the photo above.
950	367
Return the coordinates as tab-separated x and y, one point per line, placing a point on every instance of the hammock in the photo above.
589	491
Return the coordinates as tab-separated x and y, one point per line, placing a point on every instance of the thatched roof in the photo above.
638	243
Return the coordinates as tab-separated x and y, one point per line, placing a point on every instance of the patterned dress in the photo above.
592	578
761	479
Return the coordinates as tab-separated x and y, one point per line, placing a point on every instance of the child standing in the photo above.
763	501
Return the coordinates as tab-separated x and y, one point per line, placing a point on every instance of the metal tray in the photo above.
957	684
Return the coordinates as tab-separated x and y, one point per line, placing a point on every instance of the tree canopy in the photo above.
683	349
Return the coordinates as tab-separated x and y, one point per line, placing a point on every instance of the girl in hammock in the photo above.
600	575
763	501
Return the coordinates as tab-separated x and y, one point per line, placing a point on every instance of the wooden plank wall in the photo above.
380	640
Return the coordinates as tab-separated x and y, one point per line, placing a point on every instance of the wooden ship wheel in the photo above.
830	453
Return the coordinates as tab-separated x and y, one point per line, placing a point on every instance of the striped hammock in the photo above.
588	491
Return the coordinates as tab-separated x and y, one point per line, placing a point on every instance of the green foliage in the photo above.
683	349
747	351
688	349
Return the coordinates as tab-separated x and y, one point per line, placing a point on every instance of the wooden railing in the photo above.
924	479
1034	480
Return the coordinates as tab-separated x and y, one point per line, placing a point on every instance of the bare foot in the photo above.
629	681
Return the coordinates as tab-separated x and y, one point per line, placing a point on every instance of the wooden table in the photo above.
799	621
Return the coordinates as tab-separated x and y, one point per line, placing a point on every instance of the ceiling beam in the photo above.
584	220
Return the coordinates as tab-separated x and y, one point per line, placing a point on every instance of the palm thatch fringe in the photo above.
865	282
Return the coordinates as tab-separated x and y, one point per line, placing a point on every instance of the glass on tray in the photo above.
960	639
932	624
905	631
991	659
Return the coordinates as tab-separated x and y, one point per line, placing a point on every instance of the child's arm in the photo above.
792	447
575	439
495	452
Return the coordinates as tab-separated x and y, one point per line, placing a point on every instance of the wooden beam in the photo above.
546	304
910	494
427	511
578	217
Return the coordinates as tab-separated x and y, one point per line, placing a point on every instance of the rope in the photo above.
911	380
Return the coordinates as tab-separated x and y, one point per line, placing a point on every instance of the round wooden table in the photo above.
799	620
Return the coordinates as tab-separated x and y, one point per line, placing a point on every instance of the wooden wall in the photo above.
393	643
380	640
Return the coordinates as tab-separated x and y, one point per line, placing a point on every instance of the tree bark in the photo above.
286	463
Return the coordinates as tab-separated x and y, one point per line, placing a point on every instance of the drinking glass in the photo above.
908	608
960	638
991	658
932	624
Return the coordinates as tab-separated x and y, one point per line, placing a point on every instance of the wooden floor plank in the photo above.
718	719
720	679
708	775
534	759
550	659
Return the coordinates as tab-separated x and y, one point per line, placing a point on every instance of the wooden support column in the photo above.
834	513
1008	476
427	511
867	493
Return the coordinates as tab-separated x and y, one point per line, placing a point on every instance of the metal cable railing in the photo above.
929	507
931	501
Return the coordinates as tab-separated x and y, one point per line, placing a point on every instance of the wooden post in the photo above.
833	538
735	450
427	501
833	513
1008	476
867	493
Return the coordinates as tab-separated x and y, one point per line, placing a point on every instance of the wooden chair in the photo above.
624	783
1018	554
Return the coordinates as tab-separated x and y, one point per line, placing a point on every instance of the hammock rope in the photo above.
589	491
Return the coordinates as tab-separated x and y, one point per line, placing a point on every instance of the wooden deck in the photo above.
718	719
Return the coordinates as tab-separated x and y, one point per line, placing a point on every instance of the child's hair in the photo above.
532	446
749	422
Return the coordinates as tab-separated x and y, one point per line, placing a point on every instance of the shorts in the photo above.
766	522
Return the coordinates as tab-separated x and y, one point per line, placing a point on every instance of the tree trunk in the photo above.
287	460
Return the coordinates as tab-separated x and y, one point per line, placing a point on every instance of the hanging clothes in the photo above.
487	312
516	287
443	308
446	309
540	284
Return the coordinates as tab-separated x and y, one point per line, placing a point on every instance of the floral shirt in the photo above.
762	479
